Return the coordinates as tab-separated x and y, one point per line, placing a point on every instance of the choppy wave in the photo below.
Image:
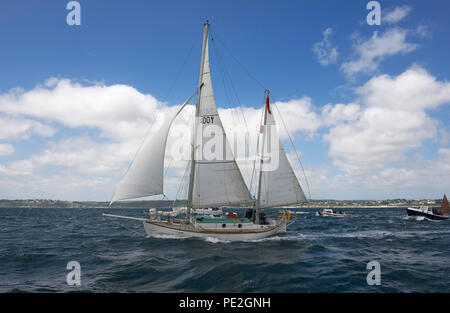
315	255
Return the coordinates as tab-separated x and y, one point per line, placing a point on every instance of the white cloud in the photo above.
21	128
414	89
325	51
6	149
370	53
415	175
122	115
16	168
118	111
338	113
298	115
380	135
423	31
396	14
391	121
367	138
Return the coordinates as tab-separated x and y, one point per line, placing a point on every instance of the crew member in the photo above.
262	217
249	213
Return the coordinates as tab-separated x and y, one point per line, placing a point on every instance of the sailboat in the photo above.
430	213
213	183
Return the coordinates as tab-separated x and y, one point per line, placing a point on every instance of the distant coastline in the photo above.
313	204
62	204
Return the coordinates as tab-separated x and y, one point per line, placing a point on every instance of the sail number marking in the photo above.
207	119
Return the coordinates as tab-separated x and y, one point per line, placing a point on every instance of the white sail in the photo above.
145	175
216	179
278	186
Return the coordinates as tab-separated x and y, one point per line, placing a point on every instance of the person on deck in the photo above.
262	217
249	213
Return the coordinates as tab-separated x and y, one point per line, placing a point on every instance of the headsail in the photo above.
215	177
278	186
145	175
445	208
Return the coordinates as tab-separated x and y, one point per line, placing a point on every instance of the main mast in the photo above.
258	199
200	84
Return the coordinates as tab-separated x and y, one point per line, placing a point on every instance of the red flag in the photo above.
268	105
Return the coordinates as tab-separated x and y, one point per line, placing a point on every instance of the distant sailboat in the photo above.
430	213
212	183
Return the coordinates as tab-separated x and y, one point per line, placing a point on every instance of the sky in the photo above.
367	106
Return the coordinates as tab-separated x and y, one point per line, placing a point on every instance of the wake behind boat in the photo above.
216	182
430	213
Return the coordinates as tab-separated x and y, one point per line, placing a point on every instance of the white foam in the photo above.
164	236
216	240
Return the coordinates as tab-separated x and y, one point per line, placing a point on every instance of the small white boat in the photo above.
330	212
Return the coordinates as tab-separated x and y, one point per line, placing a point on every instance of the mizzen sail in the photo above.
278	185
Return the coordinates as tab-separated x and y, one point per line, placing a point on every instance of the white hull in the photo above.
164	230
330	213
333	215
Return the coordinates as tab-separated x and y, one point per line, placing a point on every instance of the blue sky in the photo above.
371	117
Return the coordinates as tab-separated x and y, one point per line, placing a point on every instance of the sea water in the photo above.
317	254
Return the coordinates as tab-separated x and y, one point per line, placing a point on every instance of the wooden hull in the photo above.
169	230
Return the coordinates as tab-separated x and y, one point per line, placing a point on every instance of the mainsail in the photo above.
277	186
445	208
215	177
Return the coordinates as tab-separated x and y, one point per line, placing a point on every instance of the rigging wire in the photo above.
224	75
170	90
183	186
262	86
180	71
237	61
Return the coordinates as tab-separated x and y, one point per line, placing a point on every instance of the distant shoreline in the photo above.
314	204
148	207
351	207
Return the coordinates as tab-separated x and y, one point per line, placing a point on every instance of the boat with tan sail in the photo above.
429	212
